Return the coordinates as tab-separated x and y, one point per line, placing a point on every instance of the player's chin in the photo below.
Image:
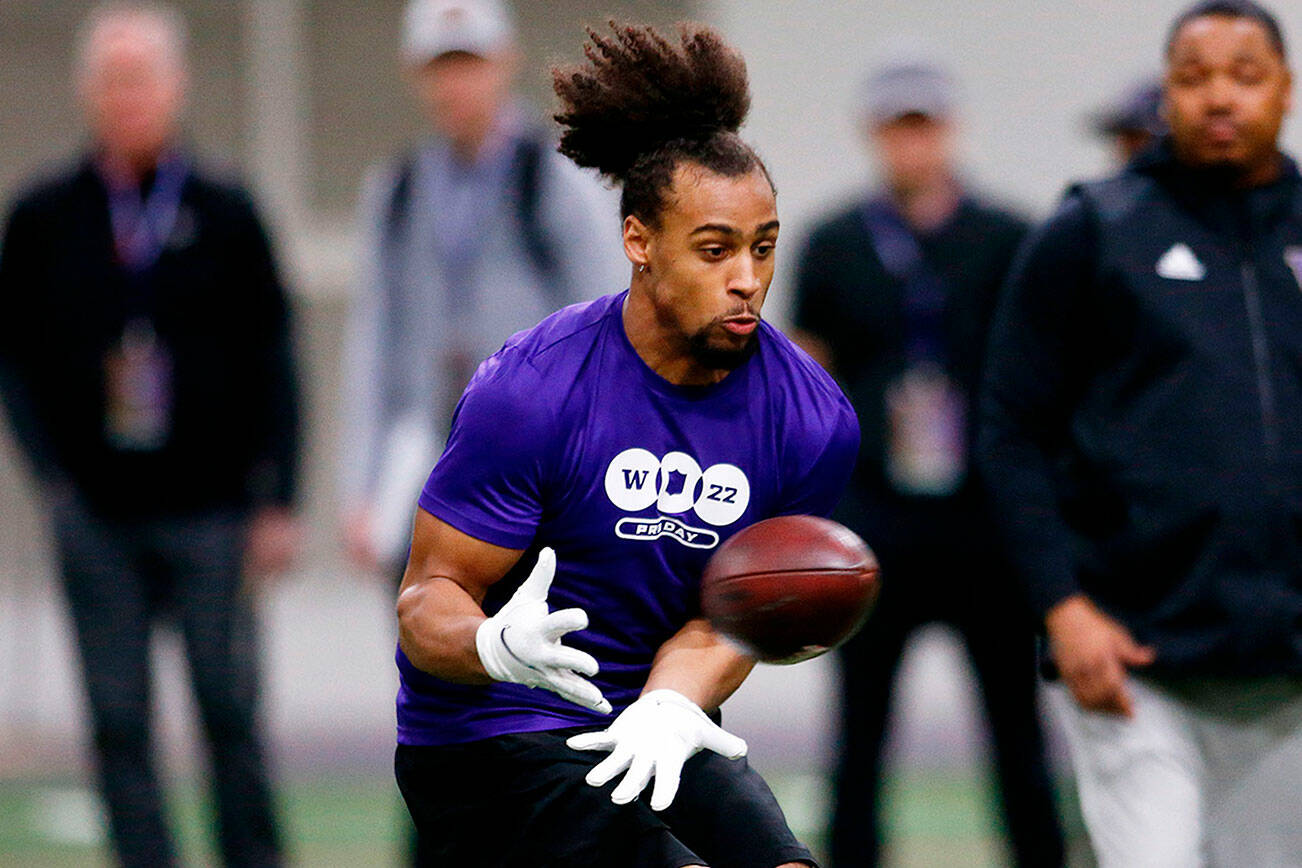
718	349
1229	156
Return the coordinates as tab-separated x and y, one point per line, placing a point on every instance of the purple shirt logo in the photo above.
636	480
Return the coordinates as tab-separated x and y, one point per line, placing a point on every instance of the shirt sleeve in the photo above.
273	395
580	221
489	482
823	465
19	289
365	366
1033	378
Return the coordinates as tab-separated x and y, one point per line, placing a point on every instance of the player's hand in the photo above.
654	736
522	642
1093	652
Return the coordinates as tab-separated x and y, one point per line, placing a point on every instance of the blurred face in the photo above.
1226	93
709	263
463	93
132	86
913	151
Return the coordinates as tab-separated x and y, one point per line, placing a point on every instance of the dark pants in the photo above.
520	801
120	578
952	579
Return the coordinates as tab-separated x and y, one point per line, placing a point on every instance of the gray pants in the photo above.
1207	772
120	577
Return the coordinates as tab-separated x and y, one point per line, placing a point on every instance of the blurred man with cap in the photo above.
894	295
1134	121
477	232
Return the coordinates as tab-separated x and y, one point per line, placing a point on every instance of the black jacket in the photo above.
846	297
1142	413
217	305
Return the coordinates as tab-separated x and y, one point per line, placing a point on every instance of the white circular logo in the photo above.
631	480
636	480
679	474
725	494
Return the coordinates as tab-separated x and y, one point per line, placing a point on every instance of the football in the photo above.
790	588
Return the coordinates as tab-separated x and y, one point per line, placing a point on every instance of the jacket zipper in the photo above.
1261	359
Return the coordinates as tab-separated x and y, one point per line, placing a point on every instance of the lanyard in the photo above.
924	294
143	223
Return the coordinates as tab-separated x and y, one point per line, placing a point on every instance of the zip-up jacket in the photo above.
1141	431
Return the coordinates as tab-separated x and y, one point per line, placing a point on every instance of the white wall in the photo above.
1031	70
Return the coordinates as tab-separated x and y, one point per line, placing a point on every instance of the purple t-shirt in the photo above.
565	438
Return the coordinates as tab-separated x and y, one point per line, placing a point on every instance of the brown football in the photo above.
790	588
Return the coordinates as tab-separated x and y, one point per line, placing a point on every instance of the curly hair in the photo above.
640	106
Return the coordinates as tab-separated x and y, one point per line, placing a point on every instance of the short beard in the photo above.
1221	174
714	358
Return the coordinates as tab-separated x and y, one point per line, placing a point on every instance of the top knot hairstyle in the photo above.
641	105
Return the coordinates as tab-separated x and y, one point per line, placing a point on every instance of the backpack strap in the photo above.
395	218
393	230
527	167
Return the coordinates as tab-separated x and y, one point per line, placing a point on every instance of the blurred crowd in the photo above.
161	417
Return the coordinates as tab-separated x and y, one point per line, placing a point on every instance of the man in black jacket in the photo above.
145	367
1141	435
894	296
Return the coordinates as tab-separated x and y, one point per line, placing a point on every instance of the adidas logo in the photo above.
1293	256
1179	263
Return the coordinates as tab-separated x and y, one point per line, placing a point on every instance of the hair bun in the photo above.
637	93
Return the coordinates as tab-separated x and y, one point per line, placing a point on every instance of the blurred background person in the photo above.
1133	121
1142	419
474	234
894	296
145	366
478	231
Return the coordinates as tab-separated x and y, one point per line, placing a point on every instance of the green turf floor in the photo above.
345	822
934	818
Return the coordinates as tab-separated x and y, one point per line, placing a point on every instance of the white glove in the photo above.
522	642
654	736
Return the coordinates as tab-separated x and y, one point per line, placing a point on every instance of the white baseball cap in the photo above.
906	86
435	27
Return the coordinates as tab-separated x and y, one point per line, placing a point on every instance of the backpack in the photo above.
525	177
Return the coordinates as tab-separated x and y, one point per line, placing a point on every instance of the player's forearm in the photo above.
698	663
437	621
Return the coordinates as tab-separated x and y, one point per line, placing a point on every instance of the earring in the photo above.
641	268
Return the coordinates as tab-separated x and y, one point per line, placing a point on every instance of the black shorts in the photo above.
520	801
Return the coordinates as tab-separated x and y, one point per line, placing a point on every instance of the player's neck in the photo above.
662	350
